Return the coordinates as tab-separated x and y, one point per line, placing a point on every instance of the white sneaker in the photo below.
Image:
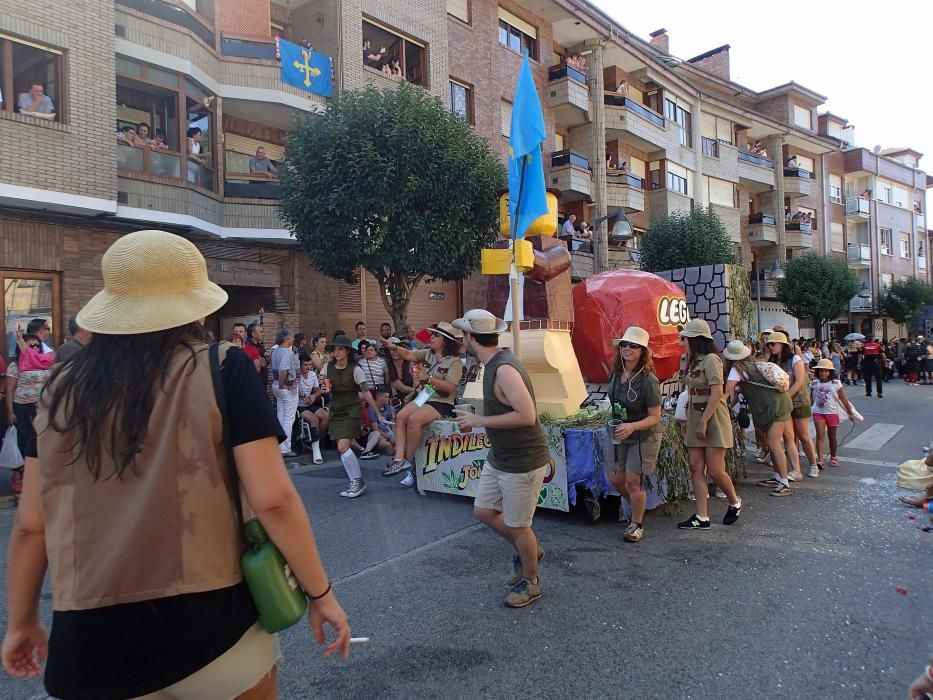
814	471
761	456
795	476
408	481
720	493
357	488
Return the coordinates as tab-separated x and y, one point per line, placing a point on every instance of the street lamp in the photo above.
621	230
777	273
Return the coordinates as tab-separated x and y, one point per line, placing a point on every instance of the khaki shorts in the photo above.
639	457
232	673
513	495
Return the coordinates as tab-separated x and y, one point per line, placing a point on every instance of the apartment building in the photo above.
686	134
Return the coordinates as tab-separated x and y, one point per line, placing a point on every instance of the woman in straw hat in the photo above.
127	502
437	371
709	428
770	409
828	395
348	388
783	355
635	395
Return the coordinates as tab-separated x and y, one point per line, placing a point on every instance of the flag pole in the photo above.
513	273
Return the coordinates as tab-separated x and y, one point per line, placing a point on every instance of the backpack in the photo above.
775	377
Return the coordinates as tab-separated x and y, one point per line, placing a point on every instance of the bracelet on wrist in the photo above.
326	591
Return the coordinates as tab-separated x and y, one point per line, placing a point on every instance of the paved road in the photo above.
798	600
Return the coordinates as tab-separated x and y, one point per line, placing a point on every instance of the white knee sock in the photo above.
351	465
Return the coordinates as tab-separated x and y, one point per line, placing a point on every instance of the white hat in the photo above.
696	327
480	321
445	329
736	350
633	334
153	281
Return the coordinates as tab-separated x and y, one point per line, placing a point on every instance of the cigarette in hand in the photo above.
358	640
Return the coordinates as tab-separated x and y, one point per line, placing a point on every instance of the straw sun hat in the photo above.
736	350
153	281
777	337
695	328
633	334
824	364
480	321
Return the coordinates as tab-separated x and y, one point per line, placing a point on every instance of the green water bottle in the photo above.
275	591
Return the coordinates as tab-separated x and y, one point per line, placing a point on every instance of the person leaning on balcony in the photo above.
372	59
791	163
35	100
143	138
260	165
568	228
158	141
193	144
622	88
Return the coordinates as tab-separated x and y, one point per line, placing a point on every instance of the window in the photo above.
899	196
505	116
884	190
835	189
805	163
677	178
654	175
558	141
27	296
31	78
906	248
517	35
459	9
680	116
836	238
715	128
461	100
149	97
802	117
385	50
887	279
719	192
887	241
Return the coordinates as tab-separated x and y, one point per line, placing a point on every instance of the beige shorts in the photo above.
639	458
232	673
513	495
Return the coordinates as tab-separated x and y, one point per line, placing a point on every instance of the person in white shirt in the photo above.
568	229
828	395
310	405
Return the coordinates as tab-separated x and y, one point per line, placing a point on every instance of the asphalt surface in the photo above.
799	599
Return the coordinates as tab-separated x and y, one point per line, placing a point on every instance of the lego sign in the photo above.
673	311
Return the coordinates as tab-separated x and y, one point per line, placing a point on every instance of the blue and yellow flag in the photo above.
527	189
305	69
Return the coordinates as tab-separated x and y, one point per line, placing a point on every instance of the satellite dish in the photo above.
876	150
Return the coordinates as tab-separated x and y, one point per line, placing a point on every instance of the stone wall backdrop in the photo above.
709	296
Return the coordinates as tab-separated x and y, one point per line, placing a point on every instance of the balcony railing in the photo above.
562	70
799	226
252	186
756	160
615	100
760	218
857	252
569	157
618	177
857	206
710	147
179	15
248	47
858	303
162	163
798	172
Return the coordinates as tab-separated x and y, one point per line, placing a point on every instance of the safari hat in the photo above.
778	337
445	329
736	350
153	281
695	328
766	331
633	334
480	321
341	341
824	364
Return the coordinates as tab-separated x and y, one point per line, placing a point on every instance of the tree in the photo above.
903	301
817	287
686	240
392	182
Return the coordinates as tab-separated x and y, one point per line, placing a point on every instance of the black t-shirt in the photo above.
133	649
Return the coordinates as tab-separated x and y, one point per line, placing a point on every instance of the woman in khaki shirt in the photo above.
709	428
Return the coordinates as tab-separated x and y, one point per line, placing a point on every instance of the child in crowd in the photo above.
309	394
827	395
381	440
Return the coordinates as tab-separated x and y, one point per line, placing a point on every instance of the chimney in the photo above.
715	61
661	41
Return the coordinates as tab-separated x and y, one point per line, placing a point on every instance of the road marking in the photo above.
853	460
875	437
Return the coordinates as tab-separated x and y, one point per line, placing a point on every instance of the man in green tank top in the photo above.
507	492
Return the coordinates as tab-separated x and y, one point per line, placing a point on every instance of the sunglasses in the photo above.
625	345
34	346
773	344
435	334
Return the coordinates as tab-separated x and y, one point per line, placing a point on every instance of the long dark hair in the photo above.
787	353
106	393
645	362
700	346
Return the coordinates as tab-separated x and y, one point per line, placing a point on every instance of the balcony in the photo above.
199	22
581	264
858	304
921	262
857	209
731	219
757	174
248	47
251	187
160	163
625	190
620	259
761	230
570	173
633	122
858	255
768	288
798	236
796	183
568	95
663	202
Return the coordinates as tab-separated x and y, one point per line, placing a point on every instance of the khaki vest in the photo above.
164	529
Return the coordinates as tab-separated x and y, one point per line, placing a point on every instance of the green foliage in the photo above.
686	240
742	311
393	182
904	299
817	287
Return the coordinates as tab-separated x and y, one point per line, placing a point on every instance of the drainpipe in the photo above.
697	139
595	85
775	146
